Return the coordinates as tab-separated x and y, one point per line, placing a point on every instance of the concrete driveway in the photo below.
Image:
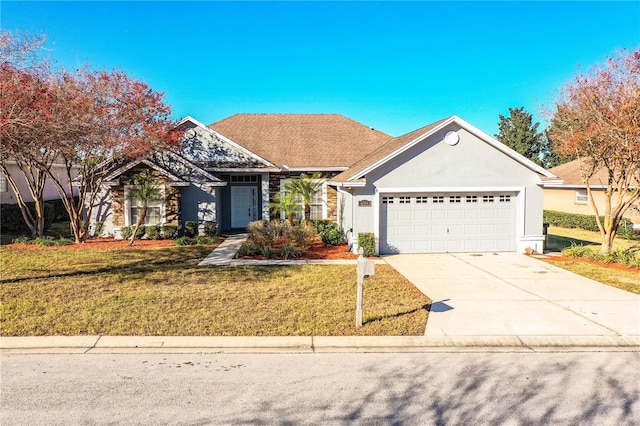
512	294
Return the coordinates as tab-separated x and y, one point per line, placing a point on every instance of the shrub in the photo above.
141	230
322	224
46	241
201	239
191	228
303	236
289	251
98	229
126	232
210	228
168	232
248	248
11	219
581	221
184	241
331	235
577	250
153	232
21	240
367	241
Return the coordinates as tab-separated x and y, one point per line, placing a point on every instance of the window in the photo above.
244	179
387	200
455	199
487	198
505	198
318	204
404	200
438	199
3	183
472	198
133	209
581	196
421	200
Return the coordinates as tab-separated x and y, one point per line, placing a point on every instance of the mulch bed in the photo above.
592	262
318	251
102	244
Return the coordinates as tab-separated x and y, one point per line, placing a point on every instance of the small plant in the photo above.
21	240
191	228
184	241
265	250
210	228
168	232
331	235
126	232
98	229
201	239
289	251
303	236
248	248
153	232
367	241
577	250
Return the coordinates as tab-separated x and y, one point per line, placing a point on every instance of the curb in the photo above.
312	344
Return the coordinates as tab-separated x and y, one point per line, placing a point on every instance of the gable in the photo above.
302	141
400	150
204	146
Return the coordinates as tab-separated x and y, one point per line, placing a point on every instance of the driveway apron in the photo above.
512	294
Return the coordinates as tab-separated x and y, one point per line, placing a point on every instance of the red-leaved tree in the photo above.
597	120
119	117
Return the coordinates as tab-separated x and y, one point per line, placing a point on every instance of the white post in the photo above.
360	268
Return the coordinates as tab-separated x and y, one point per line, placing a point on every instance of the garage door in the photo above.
448	223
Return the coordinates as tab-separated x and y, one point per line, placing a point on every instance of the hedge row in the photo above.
11	220
581	221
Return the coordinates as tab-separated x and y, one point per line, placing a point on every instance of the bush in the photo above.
153	232
367	241
191	228
577	250
168	232
21	240
141	230
44	241
331	235
184	241
248	248
98	229
289	251
581	221
303	236
11	220
322	224
126	232
210	228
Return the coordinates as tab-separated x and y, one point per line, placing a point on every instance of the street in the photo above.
598	388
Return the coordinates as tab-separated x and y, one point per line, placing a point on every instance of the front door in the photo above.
244	205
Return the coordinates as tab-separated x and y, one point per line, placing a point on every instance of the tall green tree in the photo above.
286	202
145	190
520	133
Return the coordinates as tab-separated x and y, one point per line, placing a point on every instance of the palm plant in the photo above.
287	203
144	191
305	189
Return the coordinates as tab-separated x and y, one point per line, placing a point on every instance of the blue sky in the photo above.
395	66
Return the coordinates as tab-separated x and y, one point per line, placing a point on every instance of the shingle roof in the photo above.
385	150
302	140
570	174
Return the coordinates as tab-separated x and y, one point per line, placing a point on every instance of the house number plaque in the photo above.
364	203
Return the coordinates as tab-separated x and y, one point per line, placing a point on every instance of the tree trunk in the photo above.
143	215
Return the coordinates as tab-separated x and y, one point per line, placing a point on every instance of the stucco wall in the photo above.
50	191
564	200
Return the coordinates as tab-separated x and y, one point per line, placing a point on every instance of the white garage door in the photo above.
448	223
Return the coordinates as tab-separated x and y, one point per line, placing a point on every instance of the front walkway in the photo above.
224	255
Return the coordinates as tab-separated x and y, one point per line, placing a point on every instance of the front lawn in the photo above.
614	275
162	291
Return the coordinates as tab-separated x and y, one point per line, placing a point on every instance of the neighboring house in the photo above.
447	187
7	196
571	196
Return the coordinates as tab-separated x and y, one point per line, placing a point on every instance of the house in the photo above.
50	192
229	171
446	187
570	194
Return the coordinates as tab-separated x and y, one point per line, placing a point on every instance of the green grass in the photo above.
64	291
561	238
623	278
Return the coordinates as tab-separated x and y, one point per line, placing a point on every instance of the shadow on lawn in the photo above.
142	263
398	315
559	243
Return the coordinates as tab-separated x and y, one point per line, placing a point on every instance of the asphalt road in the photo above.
587	388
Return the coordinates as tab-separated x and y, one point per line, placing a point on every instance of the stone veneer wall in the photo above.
171	201
332	194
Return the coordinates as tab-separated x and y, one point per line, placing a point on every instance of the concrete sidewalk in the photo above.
312	344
